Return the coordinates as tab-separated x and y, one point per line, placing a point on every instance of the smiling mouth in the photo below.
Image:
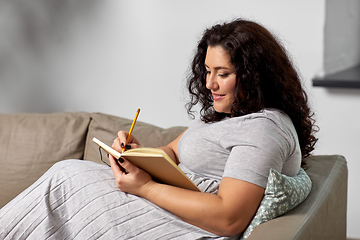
217	97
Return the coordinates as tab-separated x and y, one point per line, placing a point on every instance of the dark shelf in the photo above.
349	78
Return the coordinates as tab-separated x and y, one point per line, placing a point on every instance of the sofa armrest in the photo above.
322	215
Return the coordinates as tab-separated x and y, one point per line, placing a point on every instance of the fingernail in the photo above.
121	160
128	146
122	145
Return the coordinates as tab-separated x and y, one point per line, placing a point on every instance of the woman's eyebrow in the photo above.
219	67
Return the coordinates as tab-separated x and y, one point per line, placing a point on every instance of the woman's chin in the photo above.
221	110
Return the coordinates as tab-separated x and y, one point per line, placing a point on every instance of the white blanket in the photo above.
79	200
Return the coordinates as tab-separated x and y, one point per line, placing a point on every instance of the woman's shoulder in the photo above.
264	128
267	117
268	113
267	122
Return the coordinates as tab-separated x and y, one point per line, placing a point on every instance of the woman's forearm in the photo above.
207	211
187	205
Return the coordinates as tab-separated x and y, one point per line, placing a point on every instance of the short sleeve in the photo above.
258	145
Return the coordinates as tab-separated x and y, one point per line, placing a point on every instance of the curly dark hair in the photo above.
265	78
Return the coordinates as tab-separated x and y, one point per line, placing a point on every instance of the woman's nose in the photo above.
211	82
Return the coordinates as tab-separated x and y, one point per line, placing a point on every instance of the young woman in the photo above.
254	116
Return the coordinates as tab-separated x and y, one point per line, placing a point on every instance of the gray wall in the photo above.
115	56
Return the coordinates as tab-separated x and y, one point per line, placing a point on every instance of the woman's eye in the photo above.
207	72
223	75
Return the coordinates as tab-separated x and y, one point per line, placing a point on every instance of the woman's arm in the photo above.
225	214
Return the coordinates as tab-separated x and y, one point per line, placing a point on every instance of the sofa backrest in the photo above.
31	143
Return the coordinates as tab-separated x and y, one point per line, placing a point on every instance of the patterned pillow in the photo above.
282	194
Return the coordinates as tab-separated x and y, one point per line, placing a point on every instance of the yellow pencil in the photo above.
131	128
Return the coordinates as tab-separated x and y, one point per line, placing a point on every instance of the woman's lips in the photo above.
217	97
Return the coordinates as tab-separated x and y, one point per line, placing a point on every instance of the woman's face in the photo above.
220	78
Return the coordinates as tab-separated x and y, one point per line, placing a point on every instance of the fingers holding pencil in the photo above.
125	140
120	141
130	131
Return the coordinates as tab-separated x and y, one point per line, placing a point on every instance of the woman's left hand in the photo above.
134	181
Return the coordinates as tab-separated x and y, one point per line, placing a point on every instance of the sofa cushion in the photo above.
31	143
105	128
282	194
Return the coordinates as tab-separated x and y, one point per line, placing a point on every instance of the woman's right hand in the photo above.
120	142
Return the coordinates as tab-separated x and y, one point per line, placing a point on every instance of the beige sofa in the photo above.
31	143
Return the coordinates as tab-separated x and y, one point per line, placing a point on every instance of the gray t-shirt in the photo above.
243	147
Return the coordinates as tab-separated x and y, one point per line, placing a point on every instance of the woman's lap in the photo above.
79	199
